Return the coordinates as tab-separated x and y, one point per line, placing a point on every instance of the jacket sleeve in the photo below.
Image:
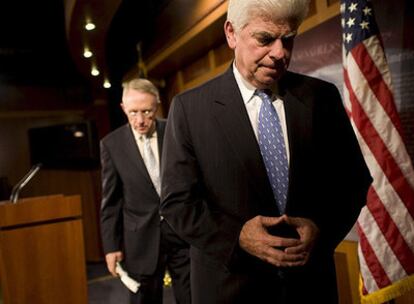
185	204
347	179
111	205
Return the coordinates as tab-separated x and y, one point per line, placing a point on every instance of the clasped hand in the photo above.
276	250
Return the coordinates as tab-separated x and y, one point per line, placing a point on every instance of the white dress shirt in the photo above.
253	103
139	139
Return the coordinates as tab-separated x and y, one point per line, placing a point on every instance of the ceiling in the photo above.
33	46
42	42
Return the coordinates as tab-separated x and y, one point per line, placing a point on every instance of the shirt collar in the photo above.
142	137
246	89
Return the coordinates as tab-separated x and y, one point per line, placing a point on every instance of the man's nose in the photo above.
277	50
139	118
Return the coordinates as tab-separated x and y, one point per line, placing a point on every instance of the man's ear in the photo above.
122	107
157	106
230	34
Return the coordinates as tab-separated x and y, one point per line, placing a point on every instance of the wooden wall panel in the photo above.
193	44
331	2
174	86
177	18
223	54
312	8
196	69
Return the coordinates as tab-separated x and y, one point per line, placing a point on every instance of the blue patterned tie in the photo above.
273	149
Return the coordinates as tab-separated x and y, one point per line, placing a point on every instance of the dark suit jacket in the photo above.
214	180
130	219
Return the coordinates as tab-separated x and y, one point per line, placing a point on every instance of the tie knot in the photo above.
145	138
264	94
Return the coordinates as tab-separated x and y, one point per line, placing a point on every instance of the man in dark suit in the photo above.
262	173
132	229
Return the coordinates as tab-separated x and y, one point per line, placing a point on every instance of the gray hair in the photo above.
142	85
240	12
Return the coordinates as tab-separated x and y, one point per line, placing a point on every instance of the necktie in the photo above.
151	164
273	149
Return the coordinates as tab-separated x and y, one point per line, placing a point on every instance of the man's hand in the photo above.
255	239
111	259
308	233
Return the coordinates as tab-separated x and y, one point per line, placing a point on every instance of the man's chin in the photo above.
267	82
270	78
141	131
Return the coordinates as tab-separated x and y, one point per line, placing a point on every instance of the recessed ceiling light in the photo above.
94	71
106	84
87	53
89	26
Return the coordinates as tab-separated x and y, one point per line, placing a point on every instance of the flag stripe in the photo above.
370	283
372	263
391	232
385	257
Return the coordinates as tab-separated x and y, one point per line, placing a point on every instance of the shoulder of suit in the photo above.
160	126
295	82
294	79
207	89
117	133
161	121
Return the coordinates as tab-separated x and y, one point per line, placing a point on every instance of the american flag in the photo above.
385	225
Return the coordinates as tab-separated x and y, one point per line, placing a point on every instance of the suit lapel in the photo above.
299	126
160	126
234	122
132	152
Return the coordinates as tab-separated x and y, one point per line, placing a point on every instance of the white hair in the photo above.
240	12
142	85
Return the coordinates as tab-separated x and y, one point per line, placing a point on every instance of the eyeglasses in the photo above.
145	113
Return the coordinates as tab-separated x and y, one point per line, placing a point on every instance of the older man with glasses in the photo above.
133	232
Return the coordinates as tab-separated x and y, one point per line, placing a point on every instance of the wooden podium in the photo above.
42	257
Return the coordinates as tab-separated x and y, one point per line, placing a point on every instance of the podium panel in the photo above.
42	256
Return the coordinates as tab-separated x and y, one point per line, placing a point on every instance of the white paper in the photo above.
130	283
